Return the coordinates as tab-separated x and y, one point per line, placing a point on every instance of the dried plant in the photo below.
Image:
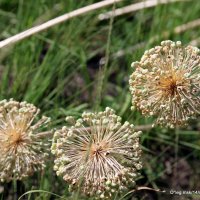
166	83
98	154
55	21
22	150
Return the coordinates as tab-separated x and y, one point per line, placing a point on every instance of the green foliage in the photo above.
58	70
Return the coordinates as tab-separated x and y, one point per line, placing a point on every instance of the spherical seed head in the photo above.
99	154
22	150
166	83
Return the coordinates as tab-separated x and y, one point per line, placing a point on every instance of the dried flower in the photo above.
98	154
22	149
166	83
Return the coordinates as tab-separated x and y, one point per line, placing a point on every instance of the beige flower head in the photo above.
166	83
99	154
21	146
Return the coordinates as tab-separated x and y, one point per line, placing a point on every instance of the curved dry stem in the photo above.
142	188
134	7
56	21
144	127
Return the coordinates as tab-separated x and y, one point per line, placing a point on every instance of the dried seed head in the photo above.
22	150
99	154
166	83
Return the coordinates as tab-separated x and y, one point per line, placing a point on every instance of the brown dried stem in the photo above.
134	7
144	127
55	21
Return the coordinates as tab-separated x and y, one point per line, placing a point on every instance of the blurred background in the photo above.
84	64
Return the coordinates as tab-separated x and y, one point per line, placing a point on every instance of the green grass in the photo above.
58	71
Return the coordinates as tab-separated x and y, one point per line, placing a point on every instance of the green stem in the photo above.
102	72
15	189
176	152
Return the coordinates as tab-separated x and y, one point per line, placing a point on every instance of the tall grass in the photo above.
59	70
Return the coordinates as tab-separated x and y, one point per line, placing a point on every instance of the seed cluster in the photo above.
166	83
98	154
22	149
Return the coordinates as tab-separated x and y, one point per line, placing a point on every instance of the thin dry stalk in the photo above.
177	30
195	42
184	27
123	52
144	127
56	21
142	188
134	7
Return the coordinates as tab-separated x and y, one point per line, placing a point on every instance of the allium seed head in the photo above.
99	154
22	149
166	83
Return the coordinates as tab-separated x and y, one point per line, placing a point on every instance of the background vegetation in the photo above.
64	71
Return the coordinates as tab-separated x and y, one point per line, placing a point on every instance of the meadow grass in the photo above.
61	71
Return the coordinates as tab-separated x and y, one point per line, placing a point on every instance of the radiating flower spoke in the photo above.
98	154
166	83
22	152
